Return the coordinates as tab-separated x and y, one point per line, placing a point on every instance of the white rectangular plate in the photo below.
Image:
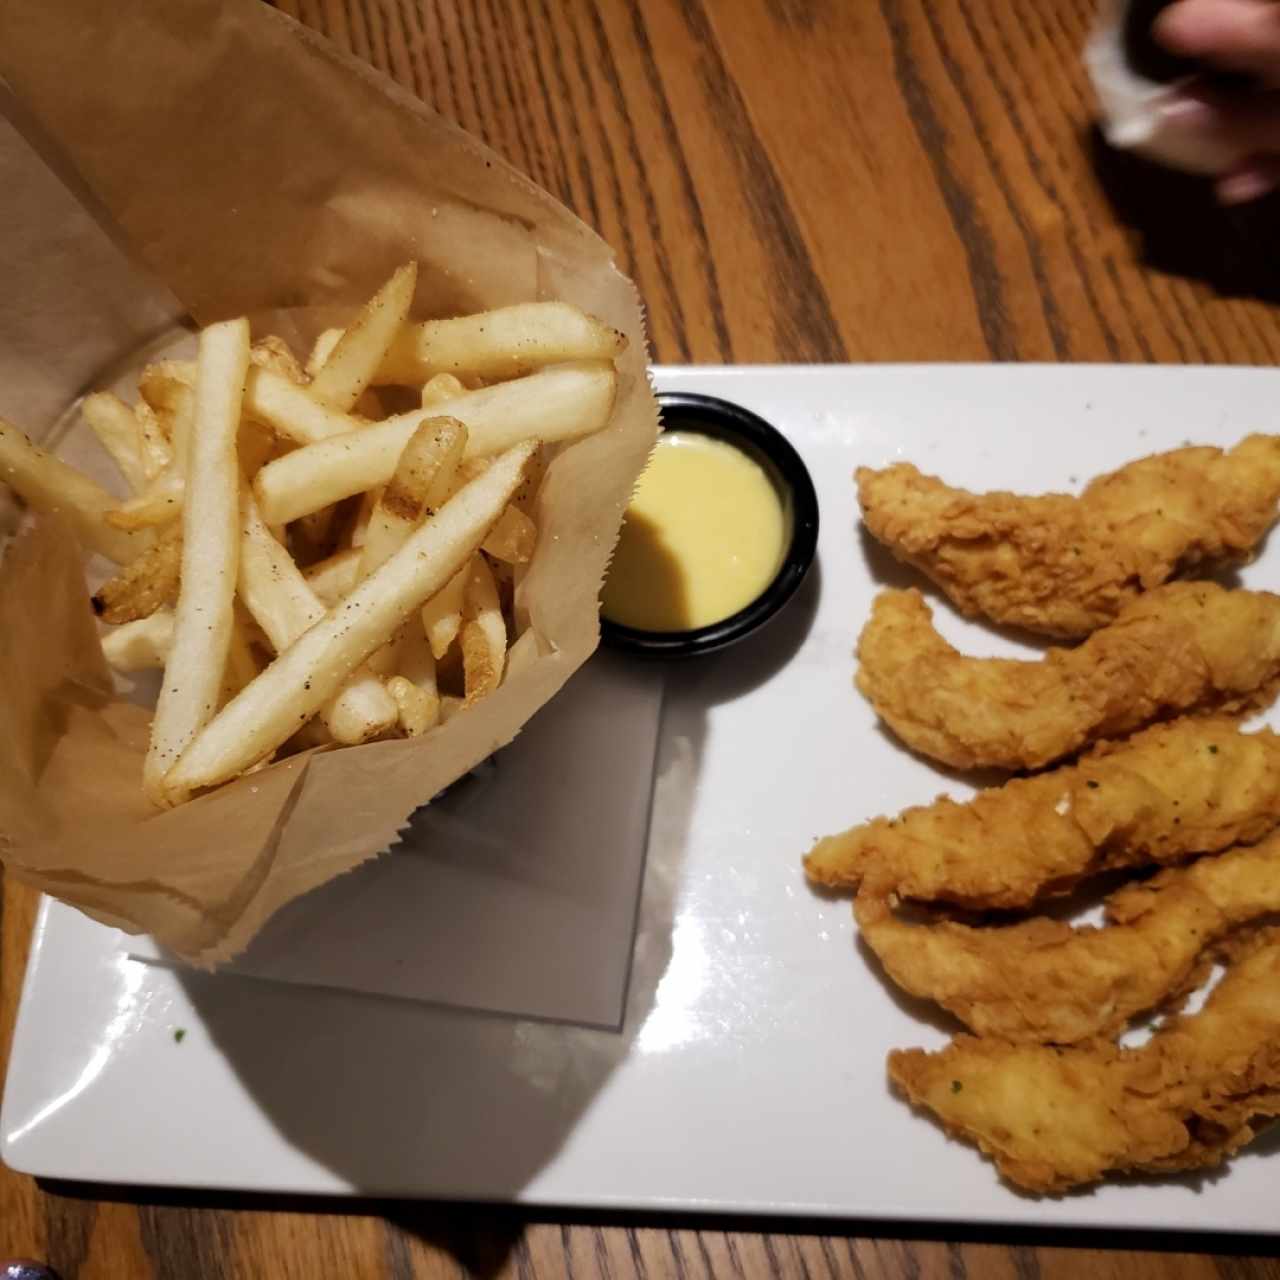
749	1073
499	896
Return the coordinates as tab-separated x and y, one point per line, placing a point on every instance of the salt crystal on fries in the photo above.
300	680
204	613
560	403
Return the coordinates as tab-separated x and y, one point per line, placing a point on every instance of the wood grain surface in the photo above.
786	180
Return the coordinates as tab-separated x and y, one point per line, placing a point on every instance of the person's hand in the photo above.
1239	36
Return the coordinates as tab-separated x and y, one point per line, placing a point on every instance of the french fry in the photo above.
560	403
48	484
513	538
279	599
140	645
172	402
177	414
119	433
269	397
334	578
419	711
350	367
360	525
483	637
255	446
422	481
527	498
166	385
157	455
160	503
444	386
312	669
414	685
449	707
322	349
273	353
292	410
241	666
204	613
442	614
498	344
145	584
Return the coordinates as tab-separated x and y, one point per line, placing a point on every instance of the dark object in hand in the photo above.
1155	62
25	1269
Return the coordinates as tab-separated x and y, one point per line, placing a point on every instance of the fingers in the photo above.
1235	35
1257	178
1249	124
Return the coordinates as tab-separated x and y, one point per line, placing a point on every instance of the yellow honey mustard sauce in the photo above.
703	537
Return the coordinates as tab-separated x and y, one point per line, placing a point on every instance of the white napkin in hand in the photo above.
1135	110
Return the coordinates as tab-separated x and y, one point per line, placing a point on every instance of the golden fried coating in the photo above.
1051	1118
148	583
1044	982
1186	646
1190	786
1065	566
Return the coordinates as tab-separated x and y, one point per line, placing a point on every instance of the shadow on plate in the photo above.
388	1093
734	672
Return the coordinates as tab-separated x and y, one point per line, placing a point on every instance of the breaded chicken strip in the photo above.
1199	1090
1065	566
1044	982
1191	786
1186	646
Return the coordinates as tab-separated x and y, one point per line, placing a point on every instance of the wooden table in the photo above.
786	180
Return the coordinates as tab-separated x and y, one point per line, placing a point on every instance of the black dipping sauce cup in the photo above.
766	445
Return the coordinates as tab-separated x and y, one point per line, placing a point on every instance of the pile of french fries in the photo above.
307	567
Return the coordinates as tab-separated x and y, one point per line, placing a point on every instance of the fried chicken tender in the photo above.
1198	1091
1186	646
1044	982
1065	566
1191	786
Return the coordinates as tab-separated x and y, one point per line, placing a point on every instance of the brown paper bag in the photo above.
252	168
